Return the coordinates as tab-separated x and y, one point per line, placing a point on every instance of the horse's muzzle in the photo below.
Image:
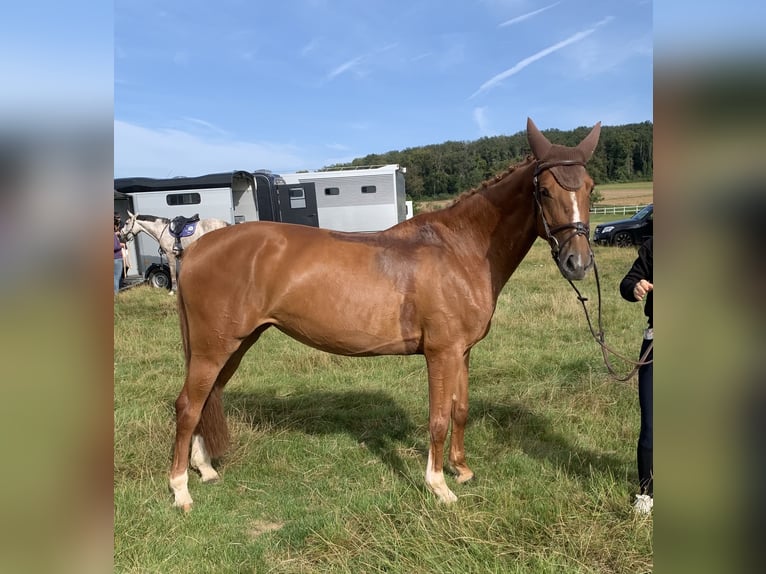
574	266
574	256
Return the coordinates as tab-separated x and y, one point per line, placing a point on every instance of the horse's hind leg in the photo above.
211	438
201	375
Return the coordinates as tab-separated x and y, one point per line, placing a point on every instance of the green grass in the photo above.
325	473
631	185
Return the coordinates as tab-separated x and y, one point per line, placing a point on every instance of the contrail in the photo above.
344	67
539	55
528	15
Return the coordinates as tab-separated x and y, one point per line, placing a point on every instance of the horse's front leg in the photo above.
444	372
459	418
173	278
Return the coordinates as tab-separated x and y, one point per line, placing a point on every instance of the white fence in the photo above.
620	210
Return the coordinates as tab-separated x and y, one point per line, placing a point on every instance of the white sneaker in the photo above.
643	504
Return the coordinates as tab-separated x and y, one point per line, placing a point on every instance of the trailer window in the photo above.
368	189
183	198
332	191
297	198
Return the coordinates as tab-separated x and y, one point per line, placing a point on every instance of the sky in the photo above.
203	87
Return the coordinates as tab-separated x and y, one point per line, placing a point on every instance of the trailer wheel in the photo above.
159	278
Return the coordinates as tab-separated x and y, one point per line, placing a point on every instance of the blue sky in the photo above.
206	86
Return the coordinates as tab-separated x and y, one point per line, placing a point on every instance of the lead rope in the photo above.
599	336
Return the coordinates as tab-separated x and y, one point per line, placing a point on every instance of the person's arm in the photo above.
636	283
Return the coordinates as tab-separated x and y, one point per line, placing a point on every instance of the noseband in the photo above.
579	227
130	235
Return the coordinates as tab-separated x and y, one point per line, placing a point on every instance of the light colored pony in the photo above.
159	229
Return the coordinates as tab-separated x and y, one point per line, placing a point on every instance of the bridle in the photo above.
581	228
130	235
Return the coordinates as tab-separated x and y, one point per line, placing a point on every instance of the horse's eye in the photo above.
544	192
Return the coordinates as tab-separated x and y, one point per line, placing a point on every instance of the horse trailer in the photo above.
355	199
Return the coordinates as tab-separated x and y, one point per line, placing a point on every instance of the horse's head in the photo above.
127	233
562	193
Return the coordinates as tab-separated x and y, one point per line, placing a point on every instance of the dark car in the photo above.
626	232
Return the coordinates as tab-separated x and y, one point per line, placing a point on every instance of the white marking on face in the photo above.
575	208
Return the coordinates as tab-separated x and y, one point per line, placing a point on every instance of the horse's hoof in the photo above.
466	478
448	498
185	506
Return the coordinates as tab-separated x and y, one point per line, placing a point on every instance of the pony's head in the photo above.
562	194
128	233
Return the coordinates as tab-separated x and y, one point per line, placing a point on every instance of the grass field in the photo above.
614	194
325	473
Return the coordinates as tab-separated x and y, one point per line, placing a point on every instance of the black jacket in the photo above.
642	269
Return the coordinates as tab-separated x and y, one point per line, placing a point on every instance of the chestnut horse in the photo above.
428	285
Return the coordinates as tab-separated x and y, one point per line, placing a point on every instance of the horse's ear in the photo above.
587	145
537	141
130	214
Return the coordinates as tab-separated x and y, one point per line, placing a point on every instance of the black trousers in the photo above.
645	437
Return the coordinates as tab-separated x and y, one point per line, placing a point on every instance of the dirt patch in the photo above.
259	527
626	196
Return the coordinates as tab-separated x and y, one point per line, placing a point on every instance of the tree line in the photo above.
623	154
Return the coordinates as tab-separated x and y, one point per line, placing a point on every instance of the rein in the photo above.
599	335
581	228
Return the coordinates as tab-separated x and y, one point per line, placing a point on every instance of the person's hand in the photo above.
641	289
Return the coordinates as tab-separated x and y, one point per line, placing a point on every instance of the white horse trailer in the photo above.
357	198
222	196
349	199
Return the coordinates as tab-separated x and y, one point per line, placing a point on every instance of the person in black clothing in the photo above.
638	285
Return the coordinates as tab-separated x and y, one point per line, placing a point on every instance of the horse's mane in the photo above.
152	218
499	177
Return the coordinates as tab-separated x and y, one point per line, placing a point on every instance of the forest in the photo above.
439	171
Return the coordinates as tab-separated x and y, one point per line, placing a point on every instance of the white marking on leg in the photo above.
435	481
180	487
200	459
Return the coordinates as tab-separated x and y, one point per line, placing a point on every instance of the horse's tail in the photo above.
212	424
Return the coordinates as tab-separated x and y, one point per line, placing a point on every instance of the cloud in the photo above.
480	117
345	67
156	152
310	47
204	124
579	36
527	15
